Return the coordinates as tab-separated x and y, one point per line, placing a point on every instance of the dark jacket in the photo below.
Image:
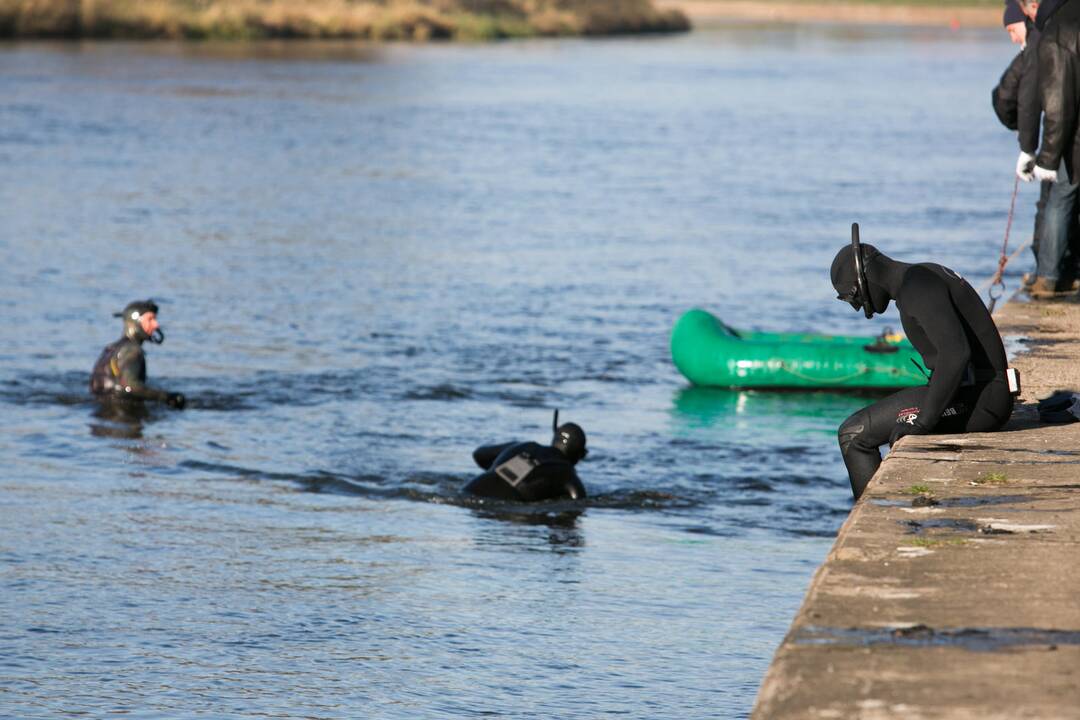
1058	85
1006	94
1029	105
1016	97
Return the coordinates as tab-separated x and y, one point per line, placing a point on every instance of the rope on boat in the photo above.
808	378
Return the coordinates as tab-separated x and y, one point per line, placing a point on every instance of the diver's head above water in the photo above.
140	322
569	439
861	275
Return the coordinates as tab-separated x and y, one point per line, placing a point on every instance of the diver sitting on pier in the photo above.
971	387
120	372
528	471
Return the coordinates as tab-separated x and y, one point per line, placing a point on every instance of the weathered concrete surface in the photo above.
967	608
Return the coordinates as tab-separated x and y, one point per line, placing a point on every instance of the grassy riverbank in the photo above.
364	19
952	13
997	4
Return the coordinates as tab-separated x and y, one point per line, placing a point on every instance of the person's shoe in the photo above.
1042	288
1027	279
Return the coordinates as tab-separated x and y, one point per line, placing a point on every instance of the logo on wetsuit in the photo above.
908	415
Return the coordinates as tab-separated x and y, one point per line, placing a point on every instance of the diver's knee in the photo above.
850	430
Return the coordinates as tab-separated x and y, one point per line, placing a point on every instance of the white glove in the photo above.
1024	165
1044	175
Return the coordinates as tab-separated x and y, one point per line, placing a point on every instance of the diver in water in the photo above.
970	388
120	372
528	471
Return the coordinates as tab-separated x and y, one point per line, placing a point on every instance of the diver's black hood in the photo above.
569	439
132	327
845	279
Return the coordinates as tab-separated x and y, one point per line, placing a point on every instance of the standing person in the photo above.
971	387
1016	101
120	371
1058	158
1028	106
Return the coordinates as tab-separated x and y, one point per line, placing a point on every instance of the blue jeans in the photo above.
1053	239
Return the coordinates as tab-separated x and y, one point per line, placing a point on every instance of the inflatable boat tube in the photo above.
709	353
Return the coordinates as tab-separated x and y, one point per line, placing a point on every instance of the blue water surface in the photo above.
370	260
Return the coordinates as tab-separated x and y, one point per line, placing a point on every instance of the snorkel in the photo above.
860	272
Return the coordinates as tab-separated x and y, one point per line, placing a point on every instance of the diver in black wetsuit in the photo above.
120	372
971	388
528	471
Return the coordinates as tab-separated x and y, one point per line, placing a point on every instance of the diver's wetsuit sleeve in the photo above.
926	301
131	375
486	454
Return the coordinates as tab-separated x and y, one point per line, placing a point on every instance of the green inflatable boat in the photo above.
710	353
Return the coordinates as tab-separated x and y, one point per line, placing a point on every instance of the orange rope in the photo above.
997	280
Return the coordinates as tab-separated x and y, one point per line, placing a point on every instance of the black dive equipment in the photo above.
517	468
568	438
530	472
861	284
120	371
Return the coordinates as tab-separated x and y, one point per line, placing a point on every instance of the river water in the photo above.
370	261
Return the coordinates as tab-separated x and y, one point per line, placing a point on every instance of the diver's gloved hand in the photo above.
1044	175
175	400
1025	165
905	429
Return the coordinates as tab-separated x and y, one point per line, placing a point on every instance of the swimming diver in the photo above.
528	471
970	388
120	372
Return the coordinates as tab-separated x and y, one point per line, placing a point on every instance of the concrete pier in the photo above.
953	588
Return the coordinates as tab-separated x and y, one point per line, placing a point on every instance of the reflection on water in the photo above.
703	407
560	526
120	419
371	261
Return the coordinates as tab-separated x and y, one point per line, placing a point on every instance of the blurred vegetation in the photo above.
880	3
417	20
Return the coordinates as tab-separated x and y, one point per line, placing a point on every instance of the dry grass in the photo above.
417	20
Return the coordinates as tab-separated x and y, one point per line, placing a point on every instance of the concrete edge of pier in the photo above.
953	588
